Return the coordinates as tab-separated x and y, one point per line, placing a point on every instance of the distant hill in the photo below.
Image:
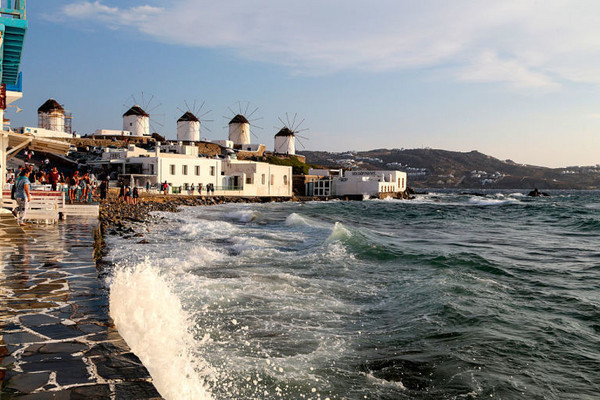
452	169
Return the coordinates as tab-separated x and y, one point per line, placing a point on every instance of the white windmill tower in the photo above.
51	116
239	130
137	120
188	125
239	126
285	139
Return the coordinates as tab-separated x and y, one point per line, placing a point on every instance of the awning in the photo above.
18	141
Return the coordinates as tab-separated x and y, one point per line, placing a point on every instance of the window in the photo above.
285	179
197	170
212	171
272	179
402	186
262	180
248	180
172	169
184	169
131	124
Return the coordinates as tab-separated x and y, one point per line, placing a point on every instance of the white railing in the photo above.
44	205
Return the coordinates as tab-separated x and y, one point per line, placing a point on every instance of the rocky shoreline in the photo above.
119	218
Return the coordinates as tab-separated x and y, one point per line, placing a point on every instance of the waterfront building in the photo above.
181	167
355	183
259	179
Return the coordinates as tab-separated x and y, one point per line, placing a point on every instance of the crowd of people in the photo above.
78	186
127	194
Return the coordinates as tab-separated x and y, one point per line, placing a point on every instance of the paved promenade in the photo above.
56	338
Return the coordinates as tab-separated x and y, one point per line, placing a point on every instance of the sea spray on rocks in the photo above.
152	321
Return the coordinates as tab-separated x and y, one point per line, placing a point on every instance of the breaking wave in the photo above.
157	329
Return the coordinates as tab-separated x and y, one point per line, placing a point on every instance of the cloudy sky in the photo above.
513	79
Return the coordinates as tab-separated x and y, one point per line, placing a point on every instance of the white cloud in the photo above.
525	44
488	67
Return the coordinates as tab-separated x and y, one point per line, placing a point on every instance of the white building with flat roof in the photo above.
44	133
356	183
259	179
181	167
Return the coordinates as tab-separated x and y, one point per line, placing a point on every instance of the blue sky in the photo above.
513	79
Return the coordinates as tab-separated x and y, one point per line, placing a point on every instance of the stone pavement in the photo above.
56	338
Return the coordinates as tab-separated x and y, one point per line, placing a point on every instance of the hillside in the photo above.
452	169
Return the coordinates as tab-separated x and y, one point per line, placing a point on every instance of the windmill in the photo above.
285	139
239	125
192	120
139	118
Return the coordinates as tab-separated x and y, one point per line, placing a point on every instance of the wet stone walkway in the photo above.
56	338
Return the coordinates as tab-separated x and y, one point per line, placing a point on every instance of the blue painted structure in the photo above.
13	26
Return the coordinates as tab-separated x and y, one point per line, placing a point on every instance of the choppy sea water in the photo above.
447	296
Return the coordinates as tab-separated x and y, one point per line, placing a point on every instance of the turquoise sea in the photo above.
447	296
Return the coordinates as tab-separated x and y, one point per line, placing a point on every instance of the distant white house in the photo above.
110	133
43	133
355	183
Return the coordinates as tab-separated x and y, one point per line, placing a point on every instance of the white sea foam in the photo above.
490	202
151	320
387	199
339	232
385	382
202	228
242	215
298	220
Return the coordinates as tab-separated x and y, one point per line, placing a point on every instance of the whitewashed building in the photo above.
41	132
259	179
110	133
181	167
356	183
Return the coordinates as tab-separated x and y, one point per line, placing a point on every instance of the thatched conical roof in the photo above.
49	106
239	119
285	131
188	116
136	110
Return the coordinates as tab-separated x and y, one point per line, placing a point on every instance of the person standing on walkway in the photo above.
73	183
103	189
22	195
54	177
